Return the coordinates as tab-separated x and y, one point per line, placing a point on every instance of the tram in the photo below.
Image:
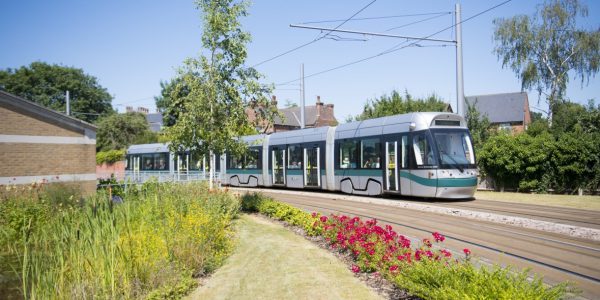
424	154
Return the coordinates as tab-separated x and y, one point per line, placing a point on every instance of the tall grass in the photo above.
150	246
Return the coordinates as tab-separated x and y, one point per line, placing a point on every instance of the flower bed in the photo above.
426	270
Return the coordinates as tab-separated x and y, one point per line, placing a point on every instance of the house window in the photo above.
505	126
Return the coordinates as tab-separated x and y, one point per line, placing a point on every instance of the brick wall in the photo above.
21	123
106	170
45	149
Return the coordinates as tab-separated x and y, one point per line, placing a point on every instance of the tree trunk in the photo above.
211	172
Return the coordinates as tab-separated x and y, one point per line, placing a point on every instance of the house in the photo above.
317	115
507	111
42	145
155	120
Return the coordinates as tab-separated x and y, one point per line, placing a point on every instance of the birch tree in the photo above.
218	87
543	49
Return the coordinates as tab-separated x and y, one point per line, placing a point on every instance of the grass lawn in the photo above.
271	262
571	201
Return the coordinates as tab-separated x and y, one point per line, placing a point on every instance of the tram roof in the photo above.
392	124
148	148
306	135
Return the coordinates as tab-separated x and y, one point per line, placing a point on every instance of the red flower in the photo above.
467	251
393	268
446	253
438	237
323	219
355	268
314	215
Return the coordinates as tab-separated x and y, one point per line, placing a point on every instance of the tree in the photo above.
171	106
478	125
220	87
543	49
395	104
118	131
289	104
46	85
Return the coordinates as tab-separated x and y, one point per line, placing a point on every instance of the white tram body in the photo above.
423	154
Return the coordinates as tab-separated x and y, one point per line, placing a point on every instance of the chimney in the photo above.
274	100
319	108
143	110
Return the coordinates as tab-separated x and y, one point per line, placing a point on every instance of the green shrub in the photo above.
110	156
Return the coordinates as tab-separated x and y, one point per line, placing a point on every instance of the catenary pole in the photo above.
68	103
460	93
303	97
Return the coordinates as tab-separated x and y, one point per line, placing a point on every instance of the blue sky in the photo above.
130	46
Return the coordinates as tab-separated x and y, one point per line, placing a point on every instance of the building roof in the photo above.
21	104
155	120
501	108
292	116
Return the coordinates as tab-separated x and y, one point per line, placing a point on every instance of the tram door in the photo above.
312	167
391	169
278	159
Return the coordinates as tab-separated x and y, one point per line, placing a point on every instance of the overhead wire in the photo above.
395	47
378	18
318	38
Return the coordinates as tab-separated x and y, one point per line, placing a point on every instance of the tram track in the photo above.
558	257
577	217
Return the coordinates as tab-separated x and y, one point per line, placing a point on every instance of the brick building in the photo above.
507	111
38	144
317	115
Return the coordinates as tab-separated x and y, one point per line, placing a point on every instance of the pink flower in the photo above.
438	237
314	215
323	219
467	251
393	268
446	253
355	268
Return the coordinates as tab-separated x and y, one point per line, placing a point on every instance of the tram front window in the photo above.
454	147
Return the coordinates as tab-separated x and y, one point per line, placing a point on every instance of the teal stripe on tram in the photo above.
359	172
244	171
441	182
294	172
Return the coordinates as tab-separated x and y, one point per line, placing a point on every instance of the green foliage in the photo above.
258	203
152	245
110	156
395	104
543	49
46	84
478	125
430	279
170	102
118	131
212	92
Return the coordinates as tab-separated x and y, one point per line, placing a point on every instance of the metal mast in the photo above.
460	93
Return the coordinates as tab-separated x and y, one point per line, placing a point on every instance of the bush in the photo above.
110	156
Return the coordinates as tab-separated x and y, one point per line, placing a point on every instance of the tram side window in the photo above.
422	149
294	157
161	161
405	148
370	151
348	157
147	162
235	162
252	158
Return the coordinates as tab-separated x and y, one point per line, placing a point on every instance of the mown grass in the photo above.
56	246
271	262
428	278
570	201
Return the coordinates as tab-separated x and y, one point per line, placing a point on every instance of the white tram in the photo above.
418	154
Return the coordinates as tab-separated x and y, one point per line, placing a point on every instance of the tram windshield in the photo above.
454	147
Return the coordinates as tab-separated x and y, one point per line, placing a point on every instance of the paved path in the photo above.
271	262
